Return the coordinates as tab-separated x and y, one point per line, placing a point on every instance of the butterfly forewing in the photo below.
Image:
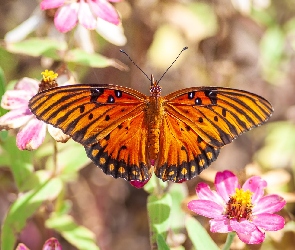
88	113
108	120
218	115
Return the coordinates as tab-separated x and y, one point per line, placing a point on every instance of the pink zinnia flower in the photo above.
32	131
243	210
86	12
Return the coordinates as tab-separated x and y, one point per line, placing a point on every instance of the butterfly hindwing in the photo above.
87	113
122	153
218	115
183	153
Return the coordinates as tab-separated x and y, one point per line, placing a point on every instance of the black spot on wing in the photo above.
212	95
118	93
191	95
95	93
111	99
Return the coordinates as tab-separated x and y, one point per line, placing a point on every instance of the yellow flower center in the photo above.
49	75
239	205
48	80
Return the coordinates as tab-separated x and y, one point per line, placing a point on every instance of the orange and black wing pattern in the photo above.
122	153
105	120
202	120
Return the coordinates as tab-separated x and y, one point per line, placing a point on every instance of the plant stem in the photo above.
229	240
54	158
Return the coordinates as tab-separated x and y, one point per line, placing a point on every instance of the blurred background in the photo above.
243	44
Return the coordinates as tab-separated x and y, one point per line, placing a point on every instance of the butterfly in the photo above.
131	135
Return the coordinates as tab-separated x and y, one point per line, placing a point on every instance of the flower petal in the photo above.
21	246
226	183
51	4
243	226
52	244
220	225
57	134
15	118
105	11
66	17
28	84
15	99
269	204
111	32
31	136
255	237
205	193
206	208
139	184
83	39
269	222
256	185
85	16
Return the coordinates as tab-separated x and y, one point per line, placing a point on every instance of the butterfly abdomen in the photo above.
155	112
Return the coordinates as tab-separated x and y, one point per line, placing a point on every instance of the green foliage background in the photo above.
248	46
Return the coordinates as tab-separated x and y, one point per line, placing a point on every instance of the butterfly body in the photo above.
154	117
131	135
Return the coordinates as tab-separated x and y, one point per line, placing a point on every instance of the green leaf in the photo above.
2	90
20	162
78	236
178	193
38	47
161	243
159	213
24	207
81	57
153	183
278	151
73	157
9	61
3	137
199	236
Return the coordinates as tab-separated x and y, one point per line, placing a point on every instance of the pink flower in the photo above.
32	131
139	184
244	210
86	12
21	246
52	244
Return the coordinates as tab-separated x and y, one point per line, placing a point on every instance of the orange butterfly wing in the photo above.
111	123
123	152
107	120
199	121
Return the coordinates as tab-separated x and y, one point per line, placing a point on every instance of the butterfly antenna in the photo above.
123	51
185	48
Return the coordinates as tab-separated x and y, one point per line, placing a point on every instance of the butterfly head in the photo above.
155	89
